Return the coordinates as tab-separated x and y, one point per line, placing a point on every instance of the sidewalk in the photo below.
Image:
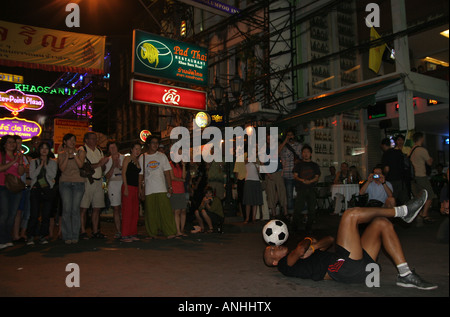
203	266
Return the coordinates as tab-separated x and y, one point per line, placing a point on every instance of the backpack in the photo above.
411	173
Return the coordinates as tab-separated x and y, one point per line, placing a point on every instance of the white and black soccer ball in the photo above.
275	232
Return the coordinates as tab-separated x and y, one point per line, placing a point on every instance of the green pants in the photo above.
159	215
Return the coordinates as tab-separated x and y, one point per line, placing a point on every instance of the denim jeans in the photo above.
71	194
24	206
38	196
289	184
9	203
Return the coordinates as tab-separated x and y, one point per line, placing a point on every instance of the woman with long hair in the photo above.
178	199
42	173
71	187
130	194
11	162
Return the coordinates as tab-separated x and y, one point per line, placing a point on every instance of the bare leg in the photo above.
207	219
117	217
348	234
83	212
381	233
177	220
95	219
200	220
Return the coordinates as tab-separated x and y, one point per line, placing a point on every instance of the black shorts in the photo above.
346	270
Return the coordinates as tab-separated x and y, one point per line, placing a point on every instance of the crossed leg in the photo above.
380	232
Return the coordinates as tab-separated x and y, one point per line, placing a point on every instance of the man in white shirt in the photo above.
93	192
155	183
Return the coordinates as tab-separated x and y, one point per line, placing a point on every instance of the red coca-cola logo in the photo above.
147	92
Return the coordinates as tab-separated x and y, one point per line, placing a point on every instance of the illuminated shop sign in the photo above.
162	95
160	57
144	135
63	126
11	78
46	90
202	119
217	119
16	126
16	101
213	6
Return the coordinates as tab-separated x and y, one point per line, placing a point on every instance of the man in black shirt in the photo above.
306	174
310	260
393	170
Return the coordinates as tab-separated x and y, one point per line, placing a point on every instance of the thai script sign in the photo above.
162	95
16	126
160	57
16	101
51	50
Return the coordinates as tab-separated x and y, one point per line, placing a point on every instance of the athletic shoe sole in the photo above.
418	209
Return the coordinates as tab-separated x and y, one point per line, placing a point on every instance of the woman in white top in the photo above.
113	173
252	190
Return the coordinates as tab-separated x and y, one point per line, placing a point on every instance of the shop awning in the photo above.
335	102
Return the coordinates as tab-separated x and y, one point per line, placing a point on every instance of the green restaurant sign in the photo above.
160	57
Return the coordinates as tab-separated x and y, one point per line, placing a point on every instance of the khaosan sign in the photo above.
162	95
160	57
16	126
16	101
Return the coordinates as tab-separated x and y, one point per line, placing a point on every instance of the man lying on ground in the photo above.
348	263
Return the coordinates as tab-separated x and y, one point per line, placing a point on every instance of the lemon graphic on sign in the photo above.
150	53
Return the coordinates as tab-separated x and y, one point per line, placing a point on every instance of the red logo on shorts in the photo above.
336	266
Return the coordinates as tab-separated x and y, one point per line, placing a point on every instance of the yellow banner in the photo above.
375	53
52	50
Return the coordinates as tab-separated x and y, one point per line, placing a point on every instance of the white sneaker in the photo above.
3	246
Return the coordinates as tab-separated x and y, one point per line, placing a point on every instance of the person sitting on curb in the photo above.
211	211
353	253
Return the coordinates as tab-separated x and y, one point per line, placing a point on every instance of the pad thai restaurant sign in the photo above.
160	57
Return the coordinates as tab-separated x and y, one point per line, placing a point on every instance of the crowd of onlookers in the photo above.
67	190
70	190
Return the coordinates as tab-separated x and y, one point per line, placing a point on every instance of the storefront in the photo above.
345	125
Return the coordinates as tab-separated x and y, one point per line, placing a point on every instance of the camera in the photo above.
376	176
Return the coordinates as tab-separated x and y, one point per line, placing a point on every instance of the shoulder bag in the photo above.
13	183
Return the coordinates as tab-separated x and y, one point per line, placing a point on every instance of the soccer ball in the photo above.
275	232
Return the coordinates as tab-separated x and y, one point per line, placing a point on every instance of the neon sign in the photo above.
160	57
16	126
46	90
16	101
144	135
11	78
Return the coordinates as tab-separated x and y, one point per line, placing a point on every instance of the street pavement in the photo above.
220	266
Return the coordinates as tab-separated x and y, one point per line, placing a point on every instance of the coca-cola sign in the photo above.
162	95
